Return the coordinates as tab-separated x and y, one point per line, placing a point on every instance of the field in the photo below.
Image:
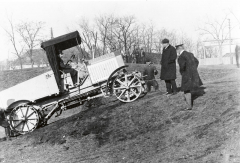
154	128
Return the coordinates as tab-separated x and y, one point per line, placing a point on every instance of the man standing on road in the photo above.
188	69
149	72
168	68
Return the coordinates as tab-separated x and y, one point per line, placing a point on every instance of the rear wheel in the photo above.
127	87
24	119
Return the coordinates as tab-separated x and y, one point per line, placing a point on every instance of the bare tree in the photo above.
218	31
40	57
161	34
211	52
11	33
123	31
105	24
29	31
150	34
200	49
90	36
189	44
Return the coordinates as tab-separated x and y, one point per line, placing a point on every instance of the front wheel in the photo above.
127	87
24	119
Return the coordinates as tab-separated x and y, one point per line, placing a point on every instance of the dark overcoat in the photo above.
149	71
237	51
168	62
3	121
188	69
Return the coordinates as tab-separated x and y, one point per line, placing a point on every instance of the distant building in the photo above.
227	59
231	57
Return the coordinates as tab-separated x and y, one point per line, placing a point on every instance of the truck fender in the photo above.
16	103
110	77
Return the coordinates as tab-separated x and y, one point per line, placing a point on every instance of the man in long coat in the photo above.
188	69
237	51
168	69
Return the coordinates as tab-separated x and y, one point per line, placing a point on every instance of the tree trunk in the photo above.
220	54
30	56
20	61
32	62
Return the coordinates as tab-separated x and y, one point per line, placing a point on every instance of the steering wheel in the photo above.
70	60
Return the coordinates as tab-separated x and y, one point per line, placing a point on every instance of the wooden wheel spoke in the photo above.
22	113
126	80
134	92
119	88
120	82
15	120
23	125
32	123
18	124
128	96
134	86
27	126
131	82
31	114
27	111
122	93
32	119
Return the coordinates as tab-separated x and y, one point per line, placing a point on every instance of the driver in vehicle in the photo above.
66	68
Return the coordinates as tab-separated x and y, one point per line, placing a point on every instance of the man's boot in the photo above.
8	133
188	97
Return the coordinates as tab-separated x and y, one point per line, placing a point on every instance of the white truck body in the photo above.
38	87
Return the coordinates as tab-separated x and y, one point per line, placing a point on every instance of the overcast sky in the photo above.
181	15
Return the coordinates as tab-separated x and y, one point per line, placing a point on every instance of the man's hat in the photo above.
177	46
148	61
164	41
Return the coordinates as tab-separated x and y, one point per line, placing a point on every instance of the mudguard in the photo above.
110	77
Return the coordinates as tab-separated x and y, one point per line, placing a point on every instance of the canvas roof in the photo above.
63	42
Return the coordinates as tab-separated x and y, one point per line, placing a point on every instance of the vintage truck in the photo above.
32	103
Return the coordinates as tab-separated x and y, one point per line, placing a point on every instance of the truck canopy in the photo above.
63	42
59	43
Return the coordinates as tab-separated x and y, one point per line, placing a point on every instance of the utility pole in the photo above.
51	33
230	40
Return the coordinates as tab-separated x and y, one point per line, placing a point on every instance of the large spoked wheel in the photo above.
127	87
24	119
